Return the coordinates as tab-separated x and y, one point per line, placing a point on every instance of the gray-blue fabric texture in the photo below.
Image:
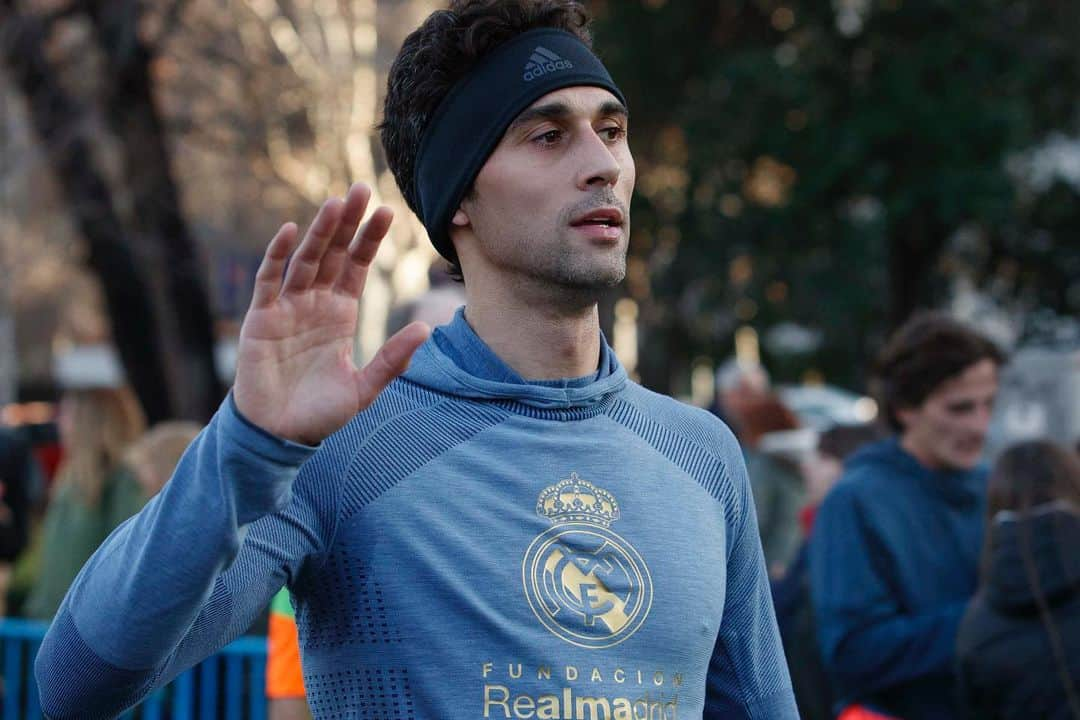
472	545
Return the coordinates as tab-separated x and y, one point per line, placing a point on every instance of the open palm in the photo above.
295	375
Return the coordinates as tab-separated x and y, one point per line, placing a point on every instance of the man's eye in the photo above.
549	138
615	132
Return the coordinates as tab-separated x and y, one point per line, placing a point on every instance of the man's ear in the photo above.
460	219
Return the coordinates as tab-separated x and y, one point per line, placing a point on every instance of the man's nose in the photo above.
598	166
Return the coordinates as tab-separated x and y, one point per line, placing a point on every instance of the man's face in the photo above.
552	202
948	431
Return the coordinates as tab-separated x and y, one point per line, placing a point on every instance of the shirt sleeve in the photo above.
748	675
188	573
867	642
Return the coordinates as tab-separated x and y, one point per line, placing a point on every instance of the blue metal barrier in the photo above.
227	686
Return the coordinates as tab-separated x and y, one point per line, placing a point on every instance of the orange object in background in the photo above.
284	678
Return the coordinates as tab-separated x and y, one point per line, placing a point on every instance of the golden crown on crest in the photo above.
577	500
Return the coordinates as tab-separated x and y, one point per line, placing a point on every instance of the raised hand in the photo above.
295	375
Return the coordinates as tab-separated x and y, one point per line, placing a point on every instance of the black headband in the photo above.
469	122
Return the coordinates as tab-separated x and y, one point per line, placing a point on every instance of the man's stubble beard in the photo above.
569	276
564	272
574	270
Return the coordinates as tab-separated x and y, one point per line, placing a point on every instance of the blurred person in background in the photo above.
19	474
895	547
738	384
791	594
94	490
444	294
779	491
154	455
1019	643
746	401
823	467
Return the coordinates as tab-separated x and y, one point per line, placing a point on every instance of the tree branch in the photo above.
286	39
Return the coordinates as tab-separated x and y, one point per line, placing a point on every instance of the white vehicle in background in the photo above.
822	406
818	408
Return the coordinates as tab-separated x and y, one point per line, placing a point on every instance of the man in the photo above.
510	528
895	549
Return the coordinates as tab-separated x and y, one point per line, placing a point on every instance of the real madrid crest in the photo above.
586	584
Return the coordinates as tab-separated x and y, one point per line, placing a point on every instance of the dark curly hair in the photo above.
443	50
926	351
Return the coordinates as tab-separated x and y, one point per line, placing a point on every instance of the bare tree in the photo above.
58	121
132	113
208	129
295	87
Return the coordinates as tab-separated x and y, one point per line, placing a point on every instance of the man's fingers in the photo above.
362	252
356	201
391	360
304	265
272	267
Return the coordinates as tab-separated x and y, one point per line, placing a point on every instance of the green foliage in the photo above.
808	161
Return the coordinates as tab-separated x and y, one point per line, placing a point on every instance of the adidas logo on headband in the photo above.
542	62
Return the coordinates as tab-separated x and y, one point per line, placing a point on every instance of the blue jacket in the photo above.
894	560
472	545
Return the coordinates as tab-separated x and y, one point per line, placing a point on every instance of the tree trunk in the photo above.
57	120
158	218
913	250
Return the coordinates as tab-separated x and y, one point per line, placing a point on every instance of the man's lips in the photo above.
605	224
604	217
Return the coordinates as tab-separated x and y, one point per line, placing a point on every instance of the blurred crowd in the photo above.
912	577
913	573
68	484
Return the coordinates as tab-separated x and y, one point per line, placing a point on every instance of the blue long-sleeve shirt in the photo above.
893	562
472	545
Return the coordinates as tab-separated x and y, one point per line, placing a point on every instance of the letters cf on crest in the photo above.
587	585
